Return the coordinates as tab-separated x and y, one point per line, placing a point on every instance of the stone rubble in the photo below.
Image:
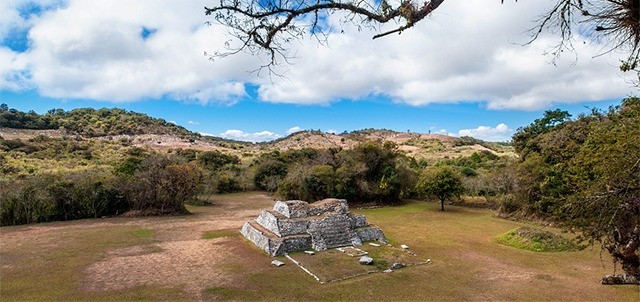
366	260
296	225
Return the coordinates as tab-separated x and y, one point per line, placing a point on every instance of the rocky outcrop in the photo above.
296	225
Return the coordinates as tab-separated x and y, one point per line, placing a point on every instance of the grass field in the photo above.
203	257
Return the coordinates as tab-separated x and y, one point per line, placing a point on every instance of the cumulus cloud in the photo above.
294	130
499	133
240	135
465	51
97	50
193	123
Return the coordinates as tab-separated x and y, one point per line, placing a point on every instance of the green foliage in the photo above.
158	186
537	240
525	139
129	166
371	171
269	174
470	141
162	185
216	160
91	122
50	198
228	184
440	182
585	175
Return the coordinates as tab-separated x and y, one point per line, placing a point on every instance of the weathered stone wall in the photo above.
291	208
371	233
358	221
331	231
295	225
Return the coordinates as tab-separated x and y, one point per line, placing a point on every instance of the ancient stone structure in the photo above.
296	225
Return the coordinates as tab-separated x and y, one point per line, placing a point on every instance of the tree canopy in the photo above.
584	174
440	182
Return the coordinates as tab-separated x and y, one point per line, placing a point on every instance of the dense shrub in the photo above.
52	198
161	186
269	173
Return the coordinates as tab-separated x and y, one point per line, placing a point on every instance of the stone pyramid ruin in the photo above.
296	225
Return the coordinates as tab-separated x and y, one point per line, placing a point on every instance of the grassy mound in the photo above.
537	240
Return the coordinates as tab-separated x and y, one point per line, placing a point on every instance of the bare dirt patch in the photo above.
498	270
181	257
191	264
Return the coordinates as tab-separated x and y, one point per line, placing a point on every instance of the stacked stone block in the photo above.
296	225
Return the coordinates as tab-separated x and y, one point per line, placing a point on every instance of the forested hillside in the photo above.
90	122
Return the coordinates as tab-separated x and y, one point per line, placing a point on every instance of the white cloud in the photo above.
240	135
193	123
94	49
294	130
463	52
13	70
500	133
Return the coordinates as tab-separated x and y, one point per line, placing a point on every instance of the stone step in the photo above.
267	233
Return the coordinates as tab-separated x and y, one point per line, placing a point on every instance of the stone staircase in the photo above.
331	232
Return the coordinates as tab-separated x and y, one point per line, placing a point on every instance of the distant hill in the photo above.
91	122
139	129
431	147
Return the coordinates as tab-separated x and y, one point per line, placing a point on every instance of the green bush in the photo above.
228	184
537	240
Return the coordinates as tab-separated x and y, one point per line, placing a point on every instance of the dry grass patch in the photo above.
335	265
220	234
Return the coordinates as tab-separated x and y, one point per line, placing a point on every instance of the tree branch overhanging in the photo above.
267	26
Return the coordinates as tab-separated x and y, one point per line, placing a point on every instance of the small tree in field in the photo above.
442	183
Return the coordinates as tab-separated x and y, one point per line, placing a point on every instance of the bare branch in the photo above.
267	26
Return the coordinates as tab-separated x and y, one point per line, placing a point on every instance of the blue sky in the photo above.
443	76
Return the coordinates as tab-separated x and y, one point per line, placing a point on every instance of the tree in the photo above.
584	175
440	182
525	139
267	26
